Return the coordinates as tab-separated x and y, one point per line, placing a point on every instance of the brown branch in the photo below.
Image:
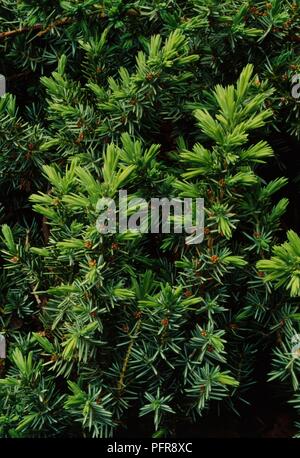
58	23
12	33
121	385
19	75
37	27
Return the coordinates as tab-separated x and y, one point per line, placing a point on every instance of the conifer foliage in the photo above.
172	99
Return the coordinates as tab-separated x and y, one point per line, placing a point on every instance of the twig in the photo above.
36	27
121	385
40	27
37	298
12	33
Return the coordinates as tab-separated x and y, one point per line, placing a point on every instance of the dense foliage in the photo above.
164	99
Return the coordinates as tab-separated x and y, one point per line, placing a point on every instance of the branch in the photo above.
59	22
37	27
121	385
